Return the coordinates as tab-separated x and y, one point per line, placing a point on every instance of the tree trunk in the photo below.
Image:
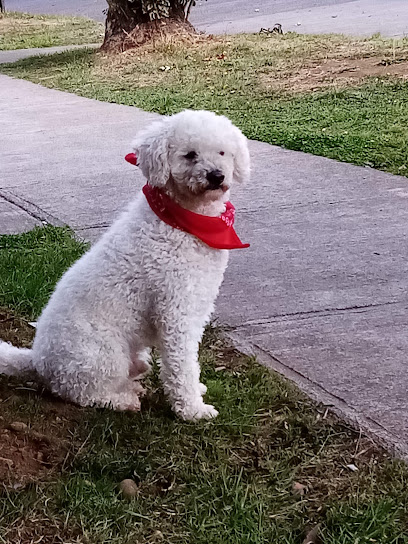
129	24
2	6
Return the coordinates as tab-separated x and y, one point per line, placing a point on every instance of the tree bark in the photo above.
2	6
127	25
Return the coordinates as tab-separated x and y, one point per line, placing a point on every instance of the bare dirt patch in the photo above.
15	329
24	456
37	433
336	73
36	429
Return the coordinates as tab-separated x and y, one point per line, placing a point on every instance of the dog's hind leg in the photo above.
120	387
120	391
90	370
126	399
140	366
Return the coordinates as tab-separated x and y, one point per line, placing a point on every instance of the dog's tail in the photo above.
15	361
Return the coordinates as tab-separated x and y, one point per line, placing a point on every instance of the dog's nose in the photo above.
215	177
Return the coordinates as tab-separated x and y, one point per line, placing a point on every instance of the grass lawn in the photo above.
23	30
268	468
332	95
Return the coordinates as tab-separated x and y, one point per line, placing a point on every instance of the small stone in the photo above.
128	489
40	456
18	426
158	535
352	467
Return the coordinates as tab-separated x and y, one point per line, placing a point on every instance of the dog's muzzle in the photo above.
215	179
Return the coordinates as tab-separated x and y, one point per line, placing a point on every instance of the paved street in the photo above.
359	17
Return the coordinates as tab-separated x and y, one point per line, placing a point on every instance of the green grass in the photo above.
267	86
24	30
228	481
31	264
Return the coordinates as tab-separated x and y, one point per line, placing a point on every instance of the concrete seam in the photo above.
315	313
97	226
31	209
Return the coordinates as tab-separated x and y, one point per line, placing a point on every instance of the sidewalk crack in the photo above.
31	209
316	313
95	226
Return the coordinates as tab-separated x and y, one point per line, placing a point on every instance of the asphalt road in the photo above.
360	17
206	11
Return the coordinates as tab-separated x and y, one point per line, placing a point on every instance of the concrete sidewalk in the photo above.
17	54
321	295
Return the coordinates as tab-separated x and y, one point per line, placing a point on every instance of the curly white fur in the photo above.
143	283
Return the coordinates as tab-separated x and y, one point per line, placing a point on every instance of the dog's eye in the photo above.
191	155
222	153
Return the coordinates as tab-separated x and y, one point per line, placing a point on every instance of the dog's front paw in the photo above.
196	411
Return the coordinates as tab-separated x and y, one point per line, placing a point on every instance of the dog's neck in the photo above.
203	204
212	208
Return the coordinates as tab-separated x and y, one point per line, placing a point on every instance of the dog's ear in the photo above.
151	147
242	163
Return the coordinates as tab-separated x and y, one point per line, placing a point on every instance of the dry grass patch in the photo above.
291	63
338	73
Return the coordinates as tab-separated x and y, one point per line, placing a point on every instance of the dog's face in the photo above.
201	166
193	153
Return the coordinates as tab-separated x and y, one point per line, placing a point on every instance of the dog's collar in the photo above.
216	232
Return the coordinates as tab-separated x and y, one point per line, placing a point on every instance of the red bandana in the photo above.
216	232
131	157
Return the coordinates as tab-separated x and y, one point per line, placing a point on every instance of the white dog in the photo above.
146	282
